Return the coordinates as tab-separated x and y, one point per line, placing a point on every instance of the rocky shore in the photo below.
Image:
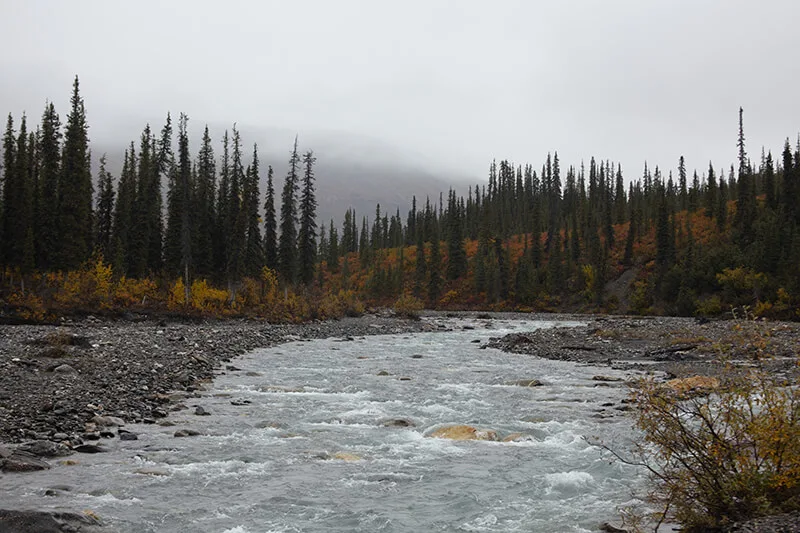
679	347
79	381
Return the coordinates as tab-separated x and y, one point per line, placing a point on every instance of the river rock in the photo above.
345	456
186	433
108	421
126	435
21	461
48	522
89	448
463	432
46	448
199	411
606	378
398	423
64	369
268	424
158	472
610	528
693	386
517	437
382	373
525	383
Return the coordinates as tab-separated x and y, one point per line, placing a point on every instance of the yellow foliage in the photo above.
177	295
409	306
129	292
723	457
449	296
89	286
207	298
32	306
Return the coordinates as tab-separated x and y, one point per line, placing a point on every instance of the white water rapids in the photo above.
307	448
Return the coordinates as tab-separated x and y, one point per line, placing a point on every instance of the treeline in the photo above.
580	238
210	227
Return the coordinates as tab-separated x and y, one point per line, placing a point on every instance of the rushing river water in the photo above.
296	442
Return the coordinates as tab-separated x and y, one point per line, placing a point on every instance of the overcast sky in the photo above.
452	83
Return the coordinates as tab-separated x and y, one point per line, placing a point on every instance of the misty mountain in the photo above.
351	171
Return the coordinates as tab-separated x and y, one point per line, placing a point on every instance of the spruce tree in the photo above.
420	271
254	251
10	192
307	236
75	188
123	214
745	197
435	269
205	228
287	243
270	225
185	186
236	216
105	211
223	229
333	250
47	239
456	252
711	192
177	252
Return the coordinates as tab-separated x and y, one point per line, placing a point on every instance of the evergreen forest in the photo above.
189	230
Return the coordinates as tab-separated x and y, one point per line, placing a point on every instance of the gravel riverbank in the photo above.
55	380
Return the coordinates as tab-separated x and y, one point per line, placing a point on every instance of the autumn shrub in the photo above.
408	306
721	455
206	298
90	286
29	306
177	295
130	292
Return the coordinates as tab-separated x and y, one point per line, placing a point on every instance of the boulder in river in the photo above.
525	383
186	433
21	461
398	423
89	448
463	432
46	448
693	386
346	456
48	522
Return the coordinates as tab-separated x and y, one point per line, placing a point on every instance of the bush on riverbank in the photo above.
727	455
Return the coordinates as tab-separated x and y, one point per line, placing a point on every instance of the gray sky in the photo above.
449	83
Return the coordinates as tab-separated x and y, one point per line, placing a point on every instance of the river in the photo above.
304	438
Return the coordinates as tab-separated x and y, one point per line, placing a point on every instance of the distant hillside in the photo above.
351	171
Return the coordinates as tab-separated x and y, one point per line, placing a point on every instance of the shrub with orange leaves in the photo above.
130	292
724	454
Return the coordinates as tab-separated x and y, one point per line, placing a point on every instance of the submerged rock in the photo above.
345	456
398	423
525	383
463	432
186	433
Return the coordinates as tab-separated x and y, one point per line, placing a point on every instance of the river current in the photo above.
309	437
